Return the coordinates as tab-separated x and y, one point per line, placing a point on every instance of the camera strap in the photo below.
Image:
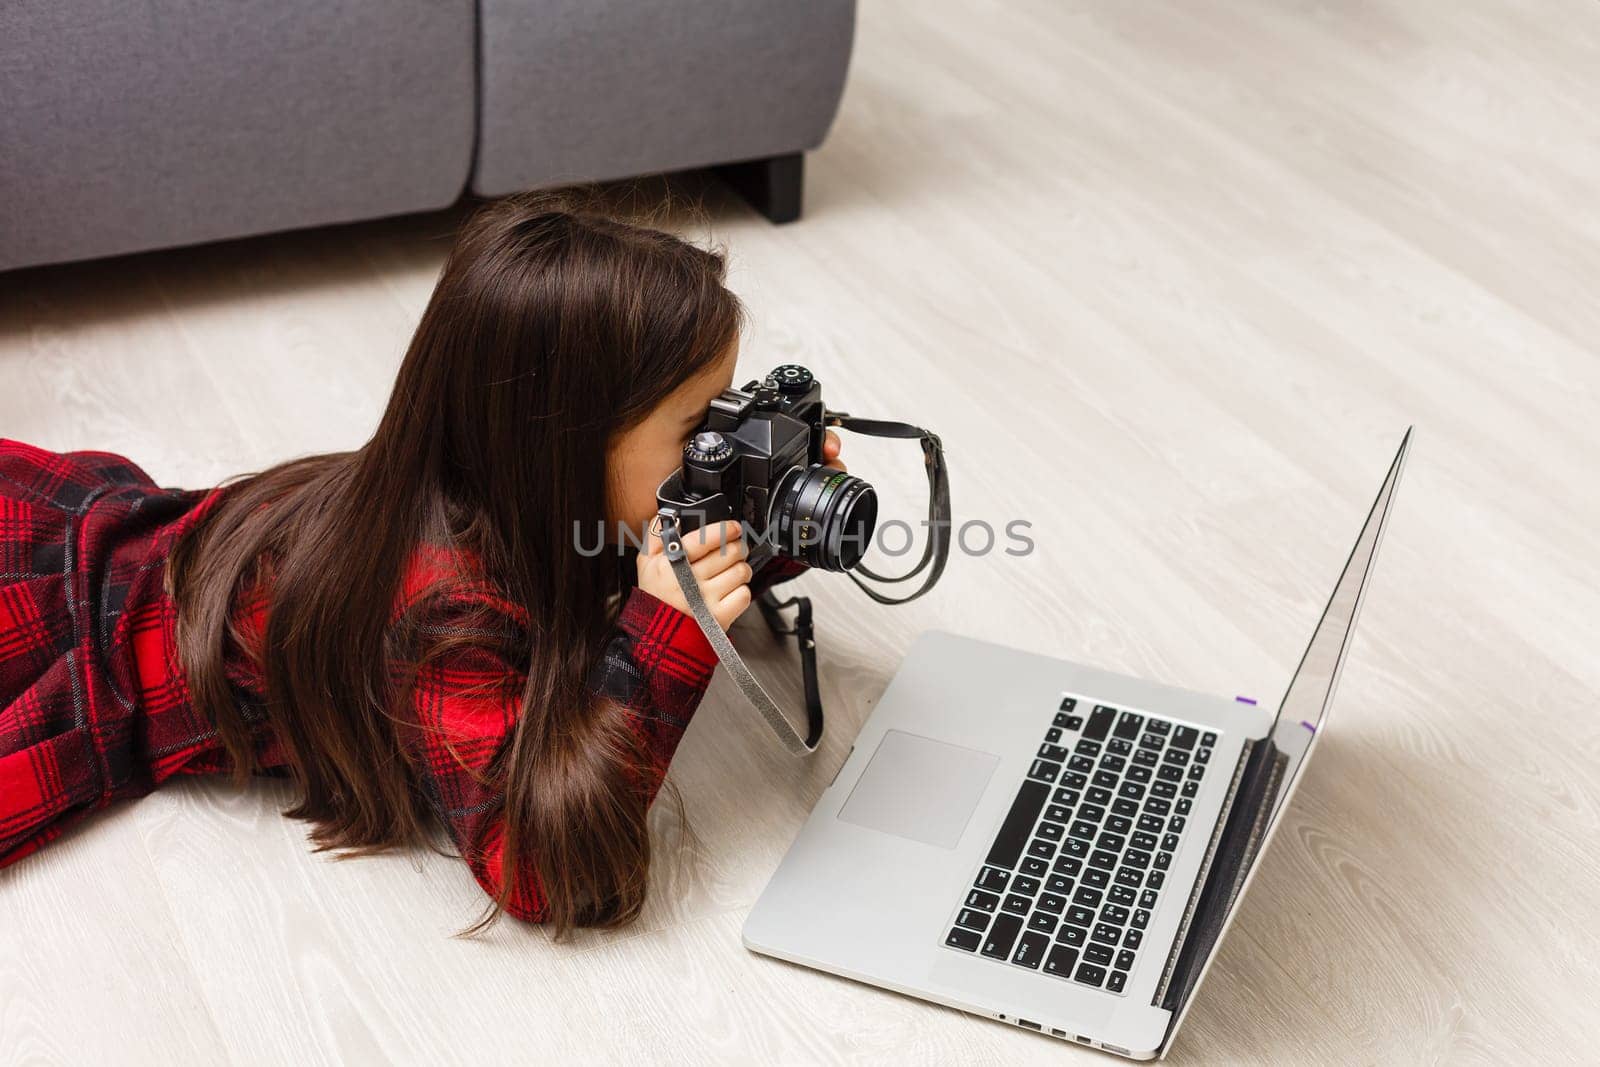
672	544
934	556
936	550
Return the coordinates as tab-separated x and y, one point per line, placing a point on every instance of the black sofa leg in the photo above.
772	186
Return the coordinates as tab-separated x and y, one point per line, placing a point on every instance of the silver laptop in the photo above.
1047	844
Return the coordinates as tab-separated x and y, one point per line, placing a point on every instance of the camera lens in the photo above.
824	517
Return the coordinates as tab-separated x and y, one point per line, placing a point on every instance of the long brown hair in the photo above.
553	327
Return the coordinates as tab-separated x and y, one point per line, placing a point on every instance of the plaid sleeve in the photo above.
657	665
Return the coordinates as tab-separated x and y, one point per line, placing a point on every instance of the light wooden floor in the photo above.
1170	279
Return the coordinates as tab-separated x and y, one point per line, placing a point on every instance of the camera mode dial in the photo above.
707	446
791	379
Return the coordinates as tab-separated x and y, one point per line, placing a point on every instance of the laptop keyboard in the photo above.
1073	876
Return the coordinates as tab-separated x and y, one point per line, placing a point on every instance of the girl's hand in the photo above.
830	451
716	554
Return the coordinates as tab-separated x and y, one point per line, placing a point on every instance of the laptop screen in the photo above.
1304	711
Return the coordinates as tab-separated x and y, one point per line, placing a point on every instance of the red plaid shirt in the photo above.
95	707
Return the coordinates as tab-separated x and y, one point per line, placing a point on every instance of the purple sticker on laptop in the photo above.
1245	700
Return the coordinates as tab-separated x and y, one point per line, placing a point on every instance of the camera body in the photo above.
757	459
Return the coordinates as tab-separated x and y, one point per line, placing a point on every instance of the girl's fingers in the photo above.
720	558
830	451
732	606
709	540
718	586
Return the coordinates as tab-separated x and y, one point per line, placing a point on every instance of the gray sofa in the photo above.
132	126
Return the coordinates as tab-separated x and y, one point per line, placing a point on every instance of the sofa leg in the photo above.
772	186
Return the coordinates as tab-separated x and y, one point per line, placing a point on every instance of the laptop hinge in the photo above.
1234	844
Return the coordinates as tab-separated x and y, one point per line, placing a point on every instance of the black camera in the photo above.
757	459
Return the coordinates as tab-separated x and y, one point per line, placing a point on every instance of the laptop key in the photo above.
1031	949
1147	899
1068	934
1185	736
1074	722
1007	847
1159	726
1002	935
1183	806
1061	720
1052	903
1119	824
1075	846
1190	788
1057	884
1169	842
1098	795
1093	808
1084	829
1043	849
1125	808
1175	824
1121	894
1163	861
1129	877
1058	813
1099	723
966	940
1089	974
1111	842
1132	939
1153	742
1081	764
1042	921
1196	772
992	878
1034	867
1156	879
1097	877
1074	780
1125	960
1144	841
1069	703
1080	916
1100	954
1120	746
1104	779
972	920
1171	755
1088	896
1053	735
1157	805
1166	789
1026	887
1087	748
979	899
1141	919
1134	858
1053	753
1044	771
1128	725
1102	858
1106	934
1051	831
1137	773
1017	905
1150	824
1067	865
1112	763
1166	772
1208	739
1061	959
1117	980
1131	790
1202	755
1114	914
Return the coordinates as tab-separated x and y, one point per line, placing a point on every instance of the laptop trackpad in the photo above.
919	788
